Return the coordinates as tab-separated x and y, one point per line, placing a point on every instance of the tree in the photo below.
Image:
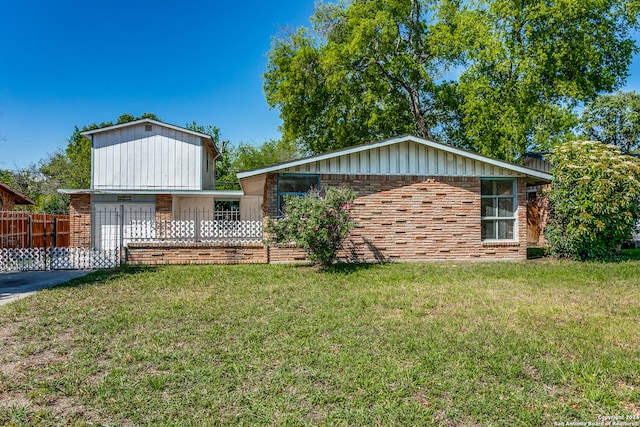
614	119
370	69
529	63
594	200
247	156
318	225
269	152
367	70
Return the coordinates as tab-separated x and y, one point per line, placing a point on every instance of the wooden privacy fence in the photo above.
33	230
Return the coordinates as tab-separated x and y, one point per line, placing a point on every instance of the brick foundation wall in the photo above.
195	253
286	255
80	221
417	218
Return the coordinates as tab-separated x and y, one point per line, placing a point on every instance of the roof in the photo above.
89	133
404	138
20	199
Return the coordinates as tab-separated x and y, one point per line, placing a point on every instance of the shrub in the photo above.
594	200
318	225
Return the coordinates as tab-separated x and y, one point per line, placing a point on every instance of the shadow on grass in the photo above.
109	274
351	267
537	253
632	254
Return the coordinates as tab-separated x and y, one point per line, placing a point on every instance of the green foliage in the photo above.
373	69
367	70
594	200
528	64
319	225
247	156
65	168
614	119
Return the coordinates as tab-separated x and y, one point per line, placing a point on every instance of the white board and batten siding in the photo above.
403	158
133	158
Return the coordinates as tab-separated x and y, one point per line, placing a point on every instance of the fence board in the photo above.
33	230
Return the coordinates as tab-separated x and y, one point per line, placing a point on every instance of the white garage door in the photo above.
135	221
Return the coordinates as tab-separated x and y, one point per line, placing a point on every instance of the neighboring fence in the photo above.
33	230
42	259
37	241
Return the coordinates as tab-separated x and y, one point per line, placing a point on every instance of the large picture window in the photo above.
499	207
295	185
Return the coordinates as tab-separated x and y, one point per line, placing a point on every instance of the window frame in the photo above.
497	218
226	214
279	193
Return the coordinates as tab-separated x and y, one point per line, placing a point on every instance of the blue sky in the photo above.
75	62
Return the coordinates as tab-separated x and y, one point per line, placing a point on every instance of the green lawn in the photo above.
454	344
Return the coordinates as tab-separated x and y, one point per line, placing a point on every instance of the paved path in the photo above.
21	284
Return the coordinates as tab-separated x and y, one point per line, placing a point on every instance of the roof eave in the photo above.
88	133
391	141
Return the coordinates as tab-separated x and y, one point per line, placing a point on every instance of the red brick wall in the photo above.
80	221
164	207
415	218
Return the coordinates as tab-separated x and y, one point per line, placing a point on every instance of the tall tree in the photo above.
530	62
369	69
366	70
614	119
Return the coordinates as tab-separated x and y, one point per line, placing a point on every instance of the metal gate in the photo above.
42	259
37	241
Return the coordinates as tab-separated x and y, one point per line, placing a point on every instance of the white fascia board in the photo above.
404	138
221	193
150	121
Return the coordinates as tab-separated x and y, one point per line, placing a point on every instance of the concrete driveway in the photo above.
18	285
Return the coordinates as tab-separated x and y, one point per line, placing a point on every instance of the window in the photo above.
498	205
295	185
227	210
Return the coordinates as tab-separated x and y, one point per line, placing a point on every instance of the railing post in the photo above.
29	232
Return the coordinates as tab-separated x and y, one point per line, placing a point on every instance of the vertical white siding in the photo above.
135	159
404	158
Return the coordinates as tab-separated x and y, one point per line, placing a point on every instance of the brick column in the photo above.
164	207
80	221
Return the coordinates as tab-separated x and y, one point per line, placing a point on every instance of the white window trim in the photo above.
497	218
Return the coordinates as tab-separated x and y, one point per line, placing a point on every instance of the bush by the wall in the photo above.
319	225
594	200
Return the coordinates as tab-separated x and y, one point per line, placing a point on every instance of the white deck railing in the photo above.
192	231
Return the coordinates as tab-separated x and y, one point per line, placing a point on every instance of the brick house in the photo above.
10	197
153	193
417	199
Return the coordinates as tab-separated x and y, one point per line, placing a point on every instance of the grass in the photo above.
487	344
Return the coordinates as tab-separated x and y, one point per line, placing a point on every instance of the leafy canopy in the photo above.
594	200
614	119
499	76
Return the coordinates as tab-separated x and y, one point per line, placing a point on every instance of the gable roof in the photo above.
20	199
209	139
538	176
